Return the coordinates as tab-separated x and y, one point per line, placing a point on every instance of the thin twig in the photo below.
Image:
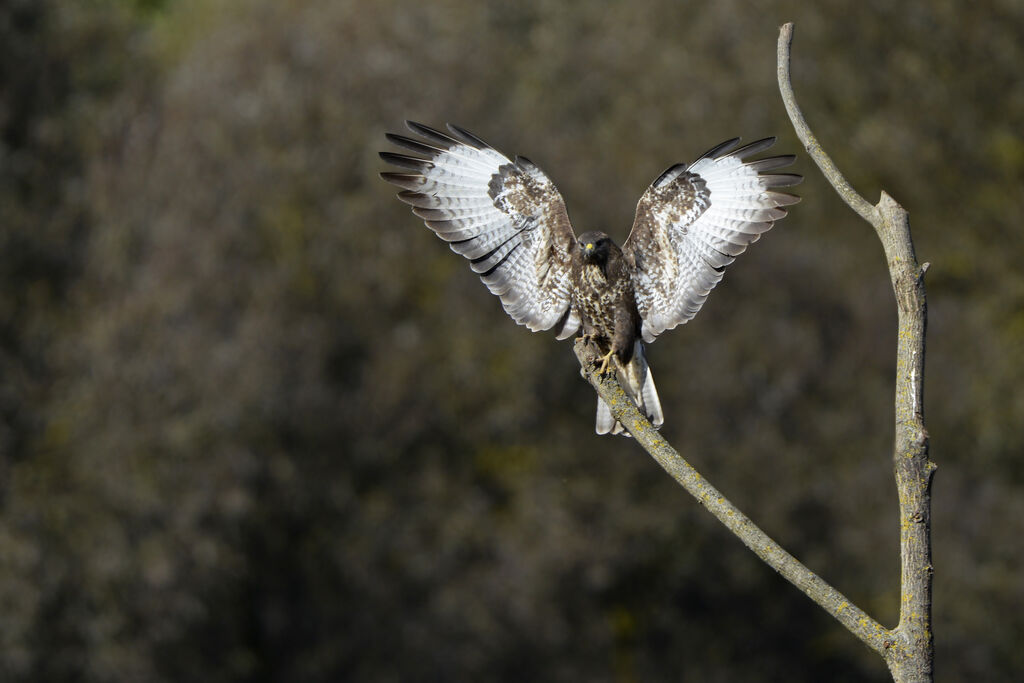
874	635
856	202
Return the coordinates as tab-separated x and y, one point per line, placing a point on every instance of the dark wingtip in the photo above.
414	145
468	138
431	134
772	163
781	179
406	161
674	168
720	149
754	147
419	127
408	181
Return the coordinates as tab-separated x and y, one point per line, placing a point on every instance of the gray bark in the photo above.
908	649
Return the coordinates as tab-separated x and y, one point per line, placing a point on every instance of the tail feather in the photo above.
651	402
638	382
605	422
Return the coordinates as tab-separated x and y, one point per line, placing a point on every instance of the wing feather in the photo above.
505	216
694	220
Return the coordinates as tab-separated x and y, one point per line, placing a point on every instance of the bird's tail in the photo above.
638	382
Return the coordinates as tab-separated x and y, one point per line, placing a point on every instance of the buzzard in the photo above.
509	220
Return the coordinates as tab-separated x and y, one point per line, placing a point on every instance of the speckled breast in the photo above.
596	300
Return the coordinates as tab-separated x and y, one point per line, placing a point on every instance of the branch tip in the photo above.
803	131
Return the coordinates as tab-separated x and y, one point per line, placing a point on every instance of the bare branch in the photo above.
910	654
832	601
803	131
908	649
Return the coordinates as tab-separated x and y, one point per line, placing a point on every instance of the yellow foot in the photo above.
605	361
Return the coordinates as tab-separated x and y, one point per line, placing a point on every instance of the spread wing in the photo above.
505	216
693	221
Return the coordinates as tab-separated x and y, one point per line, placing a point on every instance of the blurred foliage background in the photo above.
258	424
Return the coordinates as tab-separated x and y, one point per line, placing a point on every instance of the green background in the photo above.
258	424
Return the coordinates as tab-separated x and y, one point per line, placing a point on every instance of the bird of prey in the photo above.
506	216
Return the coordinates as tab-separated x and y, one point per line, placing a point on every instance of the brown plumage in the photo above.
601	293
510	221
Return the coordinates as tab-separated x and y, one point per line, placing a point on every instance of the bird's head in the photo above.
594	247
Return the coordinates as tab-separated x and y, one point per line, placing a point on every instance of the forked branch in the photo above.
908	649
911	650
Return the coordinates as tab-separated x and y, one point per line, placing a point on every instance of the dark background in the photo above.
258	424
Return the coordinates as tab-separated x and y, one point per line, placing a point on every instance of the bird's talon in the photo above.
605	360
